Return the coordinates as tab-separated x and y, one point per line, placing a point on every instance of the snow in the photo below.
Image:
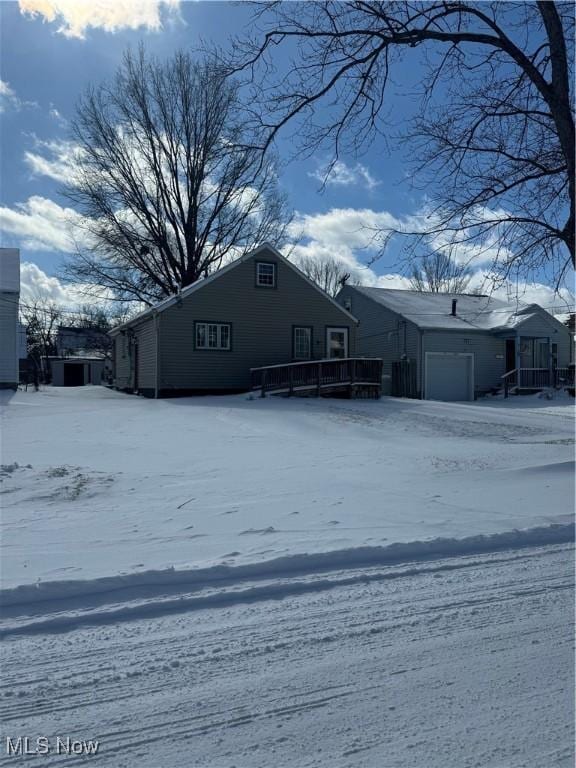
460	662
100	485
434	310
296	583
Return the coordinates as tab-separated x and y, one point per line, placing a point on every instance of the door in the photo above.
510	354
337	342
449	377
73	374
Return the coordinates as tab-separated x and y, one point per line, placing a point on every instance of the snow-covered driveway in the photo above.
457	663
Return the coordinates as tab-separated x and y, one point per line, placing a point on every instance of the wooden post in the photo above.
352	368
518	361
319	375
291	387
263	383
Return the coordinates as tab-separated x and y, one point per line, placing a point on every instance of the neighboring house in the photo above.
76	370
74	341
259	310
455	347
9	327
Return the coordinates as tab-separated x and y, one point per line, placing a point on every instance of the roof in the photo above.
433	311
199	284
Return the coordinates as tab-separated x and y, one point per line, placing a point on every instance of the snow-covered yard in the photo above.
255	583
97	483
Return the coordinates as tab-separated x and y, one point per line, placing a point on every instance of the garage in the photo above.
449	376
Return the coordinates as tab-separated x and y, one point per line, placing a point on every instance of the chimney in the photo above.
454	302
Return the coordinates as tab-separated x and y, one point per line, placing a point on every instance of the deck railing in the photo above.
318	375
537	378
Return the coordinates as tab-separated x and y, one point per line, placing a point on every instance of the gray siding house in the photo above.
259	310
10	330
456	346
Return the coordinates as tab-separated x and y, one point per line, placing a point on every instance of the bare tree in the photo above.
495	143
438	273
41	316
88	327
326	271
167	180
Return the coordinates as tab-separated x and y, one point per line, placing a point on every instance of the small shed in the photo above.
76	371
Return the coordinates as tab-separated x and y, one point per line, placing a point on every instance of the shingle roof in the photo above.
434	310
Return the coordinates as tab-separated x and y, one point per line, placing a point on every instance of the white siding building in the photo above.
9	328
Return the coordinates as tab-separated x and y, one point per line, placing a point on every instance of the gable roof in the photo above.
433	311
199	284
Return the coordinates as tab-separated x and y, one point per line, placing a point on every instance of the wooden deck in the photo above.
353	376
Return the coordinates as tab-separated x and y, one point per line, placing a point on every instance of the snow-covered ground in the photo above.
96	483
241	582
457	663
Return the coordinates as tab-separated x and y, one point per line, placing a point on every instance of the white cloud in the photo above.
34	283
75	17
57	162
9	99
558	302
54	114
350	235
41	224
342	175
355	236
351	228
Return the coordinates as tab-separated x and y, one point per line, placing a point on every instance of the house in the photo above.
73	341
457	346
9	327
259	310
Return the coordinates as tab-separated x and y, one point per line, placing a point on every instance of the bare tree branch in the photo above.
494	143
166	179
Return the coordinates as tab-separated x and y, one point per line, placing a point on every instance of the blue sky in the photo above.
51	50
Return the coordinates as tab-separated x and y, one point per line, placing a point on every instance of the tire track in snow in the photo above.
445	667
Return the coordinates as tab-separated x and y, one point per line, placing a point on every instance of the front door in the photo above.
510	354
337	342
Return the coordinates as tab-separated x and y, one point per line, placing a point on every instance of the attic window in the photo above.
265	274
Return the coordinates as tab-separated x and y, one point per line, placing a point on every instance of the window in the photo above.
212	335
302	343
265	274
337	342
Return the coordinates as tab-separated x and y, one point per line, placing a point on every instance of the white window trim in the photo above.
338	329
206	346
308	329
274	274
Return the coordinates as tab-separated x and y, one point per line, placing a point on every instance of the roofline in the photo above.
199	284
423	326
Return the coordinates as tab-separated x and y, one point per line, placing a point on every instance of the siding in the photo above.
381	332
124	357
489	354
262	321
8	339
122	366
145	336
546	326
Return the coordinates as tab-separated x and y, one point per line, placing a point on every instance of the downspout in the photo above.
421	364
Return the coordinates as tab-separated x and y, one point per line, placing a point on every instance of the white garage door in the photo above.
449	377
